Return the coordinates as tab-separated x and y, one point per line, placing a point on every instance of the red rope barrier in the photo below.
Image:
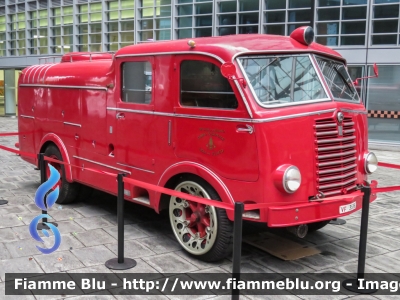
387	165
15	133
163	190
17	151
386	189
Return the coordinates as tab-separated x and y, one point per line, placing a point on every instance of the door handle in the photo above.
120	116
248	128
76	137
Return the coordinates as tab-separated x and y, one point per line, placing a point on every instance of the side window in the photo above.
137	82
202	85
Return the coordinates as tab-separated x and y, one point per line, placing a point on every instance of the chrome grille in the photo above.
336	156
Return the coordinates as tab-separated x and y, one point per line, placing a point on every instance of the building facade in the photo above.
363	31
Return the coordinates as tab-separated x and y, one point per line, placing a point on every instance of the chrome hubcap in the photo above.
194	224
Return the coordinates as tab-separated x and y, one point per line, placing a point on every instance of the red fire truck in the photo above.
252	118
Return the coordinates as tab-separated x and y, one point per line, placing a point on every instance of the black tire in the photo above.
317	225
222	244
85	192
68	190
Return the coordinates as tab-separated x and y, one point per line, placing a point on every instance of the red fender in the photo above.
51	137
201	171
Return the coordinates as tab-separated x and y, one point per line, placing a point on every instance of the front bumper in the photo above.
327	209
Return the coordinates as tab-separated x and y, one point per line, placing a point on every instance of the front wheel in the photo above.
202	230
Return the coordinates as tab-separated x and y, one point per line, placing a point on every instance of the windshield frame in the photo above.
314	64
326	82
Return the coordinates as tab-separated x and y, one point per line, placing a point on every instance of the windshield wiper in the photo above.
344	79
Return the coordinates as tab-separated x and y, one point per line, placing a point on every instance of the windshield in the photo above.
283	80
338	79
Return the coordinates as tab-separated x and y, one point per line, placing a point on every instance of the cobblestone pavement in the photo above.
89	231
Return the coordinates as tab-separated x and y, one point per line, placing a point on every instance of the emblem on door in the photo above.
211	141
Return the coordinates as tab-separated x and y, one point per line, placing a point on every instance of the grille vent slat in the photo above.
336	156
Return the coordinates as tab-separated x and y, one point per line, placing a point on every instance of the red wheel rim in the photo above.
58	168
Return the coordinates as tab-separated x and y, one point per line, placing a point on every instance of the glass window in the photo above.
185	22
329	3
275	17
229	6
202	32
202	85
357	72
384	39
275	4
354	2
386	11
327	28
275	29
382	98
328	14
353	27
137	82
299	3
351	13
248	5
385	26
227	30
338	80
282	79
299	16
352	40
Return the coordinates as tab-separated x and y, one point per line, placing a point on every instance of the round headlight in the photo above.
291	179
371	163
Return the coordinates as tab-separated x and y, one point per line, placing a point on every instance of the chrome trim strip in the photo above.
45	68
34	74
323	172
44	75
319	112
337	177
31	72
336	154
294	52
136	168
363	112
336	132
27	117
325	126
222	118
329	163
172	53
333	193
72	124
169	132
341	184
344	139
100	164
65	86
238	86
336	147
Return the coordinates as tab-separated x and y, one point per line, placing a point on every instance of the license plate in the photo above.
346	208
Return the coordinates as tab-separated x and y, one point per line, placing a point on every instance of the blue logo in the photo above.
50	200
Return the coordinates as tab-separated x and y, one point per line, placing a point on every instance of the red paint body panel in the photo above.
77	106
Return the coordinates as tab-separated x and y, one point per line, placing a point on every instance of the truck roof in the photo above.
227	47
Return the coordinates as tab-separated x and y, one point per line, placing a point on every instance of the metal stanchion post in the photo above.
121	262
237	246
353	284
42	167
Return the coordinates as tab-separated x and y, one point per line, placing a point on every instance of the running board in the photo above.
144	200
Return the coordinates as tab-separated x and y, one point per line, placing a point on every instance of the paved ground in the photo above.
89	234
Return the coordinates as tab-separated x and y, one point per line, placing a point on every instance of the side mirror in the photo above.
228	70
375	68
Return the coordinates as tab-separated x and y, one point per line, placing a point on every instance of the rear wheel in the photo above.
68	190
202	230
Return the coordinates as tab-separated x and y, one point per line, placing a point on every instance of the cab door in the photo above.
134	116
212	126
